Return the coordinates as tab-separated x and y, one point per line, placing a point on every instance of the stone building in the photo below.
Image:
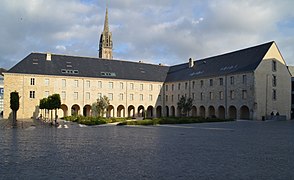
1	94
251	83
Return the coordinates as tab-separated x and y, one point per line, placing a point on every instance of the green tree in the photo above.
99	108
14	105
42	105
185	105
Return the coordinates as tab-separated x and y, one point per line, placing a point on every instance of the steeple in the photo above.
105	43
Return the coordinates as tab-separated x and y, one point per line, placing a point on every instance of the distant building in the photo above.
252	83
1	94
291	69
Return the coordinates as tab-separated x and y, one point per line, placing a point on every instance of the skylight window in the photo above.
108	74
69	71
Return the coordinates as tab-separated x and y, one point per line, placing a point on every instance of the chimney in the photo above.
191	62
48	57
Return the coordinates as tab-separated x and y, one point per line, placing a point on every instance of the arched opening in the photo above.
172	111
141	111
232	112
211	112
64	108
159	111
87	110
150	112
131	111
194	111
244	113
110	111
120	111
221	112
75	110
202	111
167	111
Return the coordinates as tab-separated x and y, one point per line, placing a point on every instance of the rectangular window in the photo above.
274	94
141	87
150	87
132	86
166	98
141	97
63	95
232	94
99	84
63	82
193	84
46	94
166	87
179	86
87	84
32	94
76	95
173	87
274	80
232	80
110	85
193	96
88	96
110	96
202	96
201	83
244	79
131	97
210	82
244	94
76	83
46	82
159	97
121	96
32	81
172	98
211	95
121	85
186	85
274	65
150	97
221	95
221	81
178	97
99	95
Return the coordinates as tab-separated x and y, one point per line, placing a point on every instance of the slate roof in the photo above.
244	60
61	65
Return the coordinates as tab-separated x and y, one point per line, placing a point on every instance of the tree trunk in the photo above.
14	118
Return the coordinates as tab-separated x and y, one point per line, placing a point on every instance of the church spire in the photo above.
105	44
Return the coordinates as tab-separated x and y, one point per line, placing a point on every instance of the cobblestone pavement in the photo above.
231	150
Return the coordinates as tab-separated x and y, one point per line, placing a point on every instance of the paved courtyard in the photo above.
231	150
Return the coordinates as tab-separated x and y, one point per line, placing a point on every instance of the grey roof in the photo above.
61	65
244	60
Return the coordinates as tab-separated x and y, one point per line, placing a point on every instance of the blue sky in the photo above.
153	31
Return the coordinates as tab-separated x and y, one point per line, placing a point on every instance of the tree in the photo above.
99	108
185	105
42	105
14	105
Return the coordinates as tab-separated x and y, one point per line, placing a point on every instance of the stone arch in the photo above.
232	112
141	110
64	108
194	111
202	111
167	111
221	112
87	110
75	110
244	112
131	111
149	112
159	111
120	111
211	111
172	111
110	111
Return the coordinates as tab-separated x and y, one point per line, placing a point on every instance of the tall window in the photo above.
159	87
99	95
166	98
202	96
179	86
232	94
210	82
141	97
110	96
172	98
76	83
159	97
141	87
186	85
63	95
178	96
99	84
201	83
32	94
274	94
193	96
166	87
221	81
244	79
173	87
87	84
131	97
132	86
244	94
46	82
110	85
121	85
88	96
46	94
150	97
221	95
274	80
121	96
150	87
211	95
274	65
63	82
32	81
232	80
193	84
76	95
